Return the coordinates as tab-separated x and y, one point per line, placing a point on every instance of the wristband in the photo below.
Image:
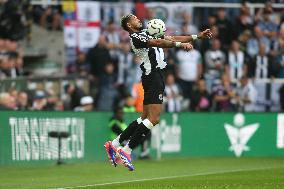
177	44
194	37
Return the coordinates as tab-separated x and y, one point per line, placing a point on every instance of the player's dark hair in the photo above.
124	20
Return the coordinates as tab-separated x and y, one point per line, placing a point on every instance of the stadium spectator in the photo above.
48	17
19	66
214	61
13	19
278	64
108	93
280	39
81	66
188	25
22	101
201	100
260	67
244	21
113	39
222	95
8	67
281	95
253	43
243	40
12	72
39	101
173	95
138	95
133	73
13	92
266	25
7	102
224	27
189	67
236	66
171	60
75	94
59	106
247	95
11	59
86	104
211	21
206	44
125	63
129	103
117	124
282	22
98	56
4	68
253	33
53	101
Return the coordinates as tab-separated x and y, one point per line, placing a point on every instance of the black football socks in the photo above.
125	135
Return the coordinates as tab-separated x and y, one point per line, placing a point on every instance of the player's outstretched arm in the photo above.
185	39
162	43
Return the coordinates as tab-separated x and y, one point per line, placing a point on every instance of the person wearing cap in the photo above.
40	101
86	104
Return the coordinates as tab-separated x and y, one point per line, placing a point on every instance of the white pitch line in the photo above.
167	177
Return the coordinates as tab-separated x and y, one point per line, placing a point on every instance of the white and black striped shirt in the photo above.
261	69
152	58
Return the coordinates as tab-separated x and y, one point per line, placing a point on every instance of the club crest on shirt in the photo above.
160	96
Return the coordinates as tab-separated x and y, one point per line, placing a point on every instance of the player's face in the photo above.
135	24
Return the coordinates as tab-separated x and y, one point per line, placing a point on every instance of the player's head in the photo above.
131	23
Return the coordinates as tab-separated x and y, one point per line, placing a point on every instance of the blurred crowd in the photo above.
11	59
16	19
218	75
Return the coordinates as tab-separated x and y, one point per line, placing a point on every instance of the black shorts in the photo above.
154	87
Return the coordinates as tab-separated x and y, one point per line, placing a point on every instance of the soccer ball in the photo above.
156	28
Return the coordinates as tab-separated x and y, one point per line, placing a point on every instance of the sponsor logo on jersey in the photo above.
160	96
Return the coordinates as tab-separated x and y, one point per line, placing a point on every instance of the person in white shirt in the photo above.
189	69
248	95
173	97
215	60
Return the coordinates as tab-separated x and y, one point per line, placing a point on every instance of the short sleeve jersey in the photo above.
152	57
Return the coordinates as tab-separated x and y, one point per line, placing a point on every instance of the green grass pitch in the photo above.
180	173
